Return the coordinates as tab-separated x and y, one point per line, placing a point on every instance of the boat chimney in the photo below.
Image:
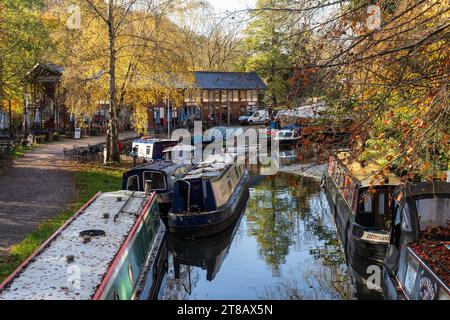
148	187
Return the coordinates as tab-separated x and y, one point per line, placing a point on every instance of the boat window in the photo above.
381	203
433	212
230	185
133	183
367	202
406	218
158	179
148	150
285	134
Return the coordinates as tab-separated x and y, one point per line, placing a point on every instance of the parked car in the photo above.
259	117
244	118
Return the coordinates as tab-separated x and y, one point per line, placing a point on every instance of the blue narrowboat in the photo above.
113	248
160	177
208	198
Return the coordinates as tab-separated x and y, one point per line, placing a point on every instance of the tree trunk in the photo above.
112	151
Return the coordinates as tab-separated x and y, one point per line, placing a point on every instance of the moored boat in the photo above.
287	136
113	248
207	199
417	263
361	208
152	149
160	177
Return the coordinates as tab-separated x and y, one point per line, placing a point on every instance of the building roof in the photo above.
45	72
229	80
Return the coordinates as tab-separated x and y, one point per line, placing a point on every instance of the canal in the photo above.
283	246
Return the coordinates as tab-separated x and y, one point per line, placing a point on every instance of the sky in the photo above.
232	5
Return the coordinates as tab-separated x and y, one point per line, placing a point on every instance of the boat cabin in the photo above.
208	185
208	198
181	153
417	264
104	252
161	176
152	149
360	196
367	198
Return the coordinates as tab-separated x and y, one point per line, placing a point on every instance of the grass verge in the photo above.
89	179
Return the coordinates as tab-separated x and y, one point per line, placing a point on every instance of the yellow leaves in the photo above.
410	150
389	157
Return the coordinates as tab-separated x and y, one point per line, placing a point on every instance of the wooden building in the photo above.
43	107
226	95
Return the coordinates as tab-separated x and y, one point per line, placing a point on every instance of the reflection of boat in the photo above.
361	208
285	158
160	175
105	252
206	253
206	200
417	264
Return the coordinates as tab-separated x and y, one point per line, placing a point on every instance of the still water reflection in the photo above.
283	246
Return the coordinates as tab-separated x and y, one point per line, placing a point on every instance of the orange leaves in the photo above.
410	150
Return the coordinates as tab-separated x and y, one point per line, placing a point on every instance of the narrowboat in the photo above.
287	136
181	153
161	176
361	208
208	198
417	263
206	253
113	248
152	149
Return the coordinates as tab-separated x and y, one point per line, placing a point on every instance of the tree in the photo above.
126	53
24	35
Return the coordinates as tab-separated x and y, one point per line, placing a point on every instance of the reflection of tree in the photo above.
181	288
287	209
273	212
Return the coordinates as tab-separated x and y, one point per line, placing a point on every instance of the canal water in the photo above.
283	246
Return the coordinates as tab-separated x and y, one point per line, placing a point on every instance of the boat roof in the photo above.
211	167
153	141
162	165
427	188
180	147
47	275
364	174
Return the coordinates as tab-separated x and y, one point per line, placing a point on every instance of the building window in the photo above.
254	96
211	96
224	95
235	96
205	95
249	95
230	95
242	94
216	95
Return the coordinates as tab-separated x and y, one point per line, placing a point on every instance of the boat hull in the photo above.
360	254
209	223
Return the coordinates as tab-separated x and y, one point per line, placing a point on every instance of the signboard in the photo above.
77	134
375	237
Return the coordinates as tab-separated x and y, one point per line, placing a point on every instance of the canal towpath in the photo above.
38	186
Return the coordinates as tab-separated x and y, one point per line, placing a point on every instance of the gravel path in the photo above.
38	186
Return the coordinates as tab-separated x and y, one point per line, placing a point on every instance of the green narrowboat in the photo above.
112	249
